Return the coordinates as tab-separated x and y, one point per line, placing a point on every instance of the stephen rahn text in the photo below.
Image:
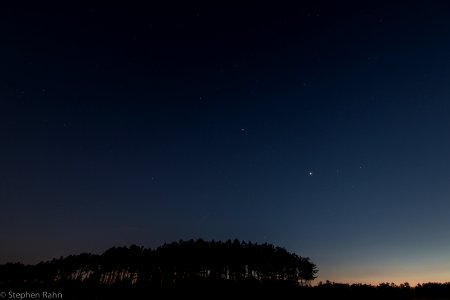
34	295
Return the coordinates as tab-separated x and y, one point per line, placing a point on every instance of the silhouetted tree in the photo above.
170	264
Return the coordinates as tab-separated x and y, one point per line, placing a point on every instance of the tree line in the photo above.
187	267
170	265
385	290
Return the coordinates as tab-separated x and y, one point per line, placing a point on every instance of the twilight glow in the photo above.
320	127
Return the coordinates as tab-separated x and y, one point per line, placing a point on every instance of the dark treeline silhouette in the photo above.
209	269
170	265
332	290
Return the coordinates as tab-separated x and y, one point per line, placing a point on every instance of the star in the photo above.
310	173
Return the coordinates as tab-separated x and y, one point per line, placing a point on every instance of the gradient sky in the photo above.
321	127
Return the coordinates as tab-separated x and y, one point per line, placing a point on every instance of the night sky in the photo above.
320	126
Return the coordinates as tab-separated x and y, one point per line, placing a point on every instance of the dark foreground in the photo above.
226	289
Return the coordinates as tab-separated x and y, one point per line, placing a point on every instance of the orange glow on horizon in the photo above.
412	279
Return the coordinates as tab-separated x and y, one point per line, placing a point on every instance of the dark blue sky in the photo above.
318	126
